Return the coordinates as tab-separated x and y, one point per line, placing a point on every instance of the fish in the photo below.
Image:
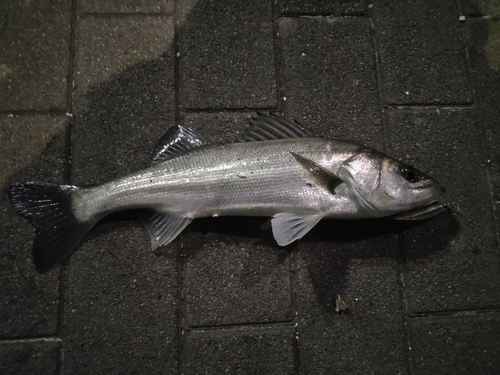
278	169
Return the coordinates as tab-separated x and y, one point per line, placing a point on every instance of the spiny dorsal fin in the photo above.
288	227
177	141
319	175
272	126
163	227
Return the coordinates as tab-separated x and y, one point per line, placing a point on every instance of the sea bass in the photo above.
278	170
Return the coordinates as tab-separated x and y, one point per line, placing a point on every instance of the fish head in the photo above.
382	186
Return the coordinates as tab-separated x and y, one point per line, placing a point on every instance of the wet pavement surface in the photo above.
88	87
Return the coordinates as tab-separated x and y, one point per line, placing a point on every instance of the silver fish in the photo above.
280	170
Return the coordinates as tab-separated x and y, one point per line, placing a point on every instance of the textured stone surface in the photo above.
479	7
484	50
458	345
314	7
422	57
26	358
224	297
227	56
221	127
231	279
124	100
356	261
34	55
232	273
31	148
328	77
453	260
257	351
127	6
121	309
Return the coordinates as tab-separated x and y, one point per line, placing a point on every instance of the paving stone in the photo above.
232	279
124	100
482	37
479	7
233	273
421	52
127	6
312	7
227	56
34	55
453	259
221	127
356	261
121	305
252	351
328	77
36	357
32	148
456	345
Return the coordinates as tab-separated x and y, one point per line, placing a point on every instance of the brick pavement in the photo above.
86	89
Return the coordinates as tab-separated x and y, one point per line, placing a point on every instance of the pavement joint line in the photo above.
322	15
125	15
245	327
453	107
277	52
485	148
454	313
29	340
378	77
34	112
226	110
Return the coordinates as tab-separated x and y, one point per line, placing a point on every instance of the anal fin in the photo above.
288	227
163	227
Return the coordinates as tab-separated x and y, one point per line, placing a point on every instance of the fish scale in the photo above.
280	171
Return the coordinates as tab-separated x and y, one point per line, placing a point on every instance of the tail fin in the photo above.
49	208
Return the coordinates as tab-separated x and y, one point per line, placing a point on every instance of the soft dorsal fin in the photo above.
288	227
265	127
163	227
319	175
177	141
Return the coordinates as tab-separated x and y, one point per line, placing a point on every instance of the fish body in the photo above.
280	171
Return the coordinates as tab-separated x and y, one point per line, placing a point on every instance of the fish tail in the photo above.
50	209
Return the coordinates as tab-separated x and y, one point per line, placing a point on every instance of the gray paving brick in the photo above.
421	51
252	351
353	260
221	127
36	357
124	98
232	279
339	7
485	66
231	275
227	57
453	260
457	345
32	148
328	77
479	7
126	6
34	55
120	311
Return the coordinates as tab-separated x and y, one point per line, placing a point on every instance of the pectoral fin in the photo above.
319	175
288	227
163	227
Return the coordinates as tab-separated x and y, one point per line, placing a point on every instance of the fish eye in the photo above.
410	174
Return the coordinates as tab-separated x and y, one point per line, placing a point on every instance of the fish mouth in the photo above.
427	211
